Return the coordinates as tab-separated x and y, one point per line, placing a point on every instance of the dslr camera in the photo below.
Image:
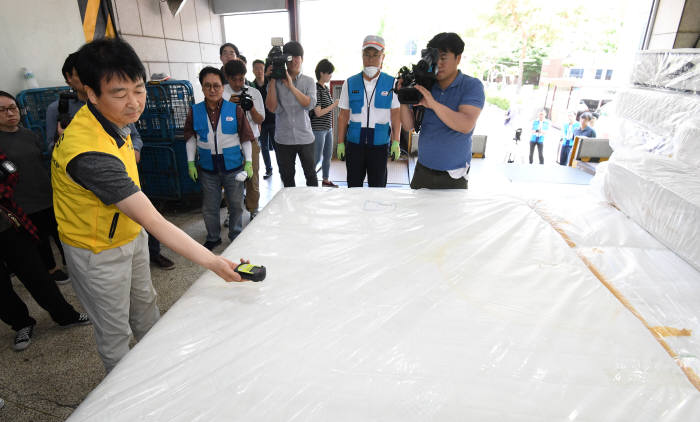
423	73
64	116
245	99
278	59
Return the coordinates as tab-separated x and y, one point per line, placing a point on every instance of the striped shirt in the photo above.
323	100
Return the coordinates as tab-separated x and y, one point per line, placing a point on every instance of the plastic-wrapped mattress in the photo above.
420	305
677	69
660	122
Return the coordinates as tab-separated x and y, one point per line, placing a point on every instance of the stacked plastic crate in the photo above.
163	165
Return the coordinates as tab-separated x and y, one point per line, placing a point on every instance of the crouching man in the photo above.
100	209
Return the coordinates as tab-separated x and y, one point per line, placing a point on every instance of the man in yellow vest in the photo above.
100	209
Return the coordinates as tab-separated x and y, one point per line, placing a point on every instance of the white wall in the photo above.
178	46
38	34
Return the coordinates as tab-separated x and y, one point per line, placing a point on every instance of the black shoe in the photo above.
162	262
82	319
23	338
211	244
267	175
60	277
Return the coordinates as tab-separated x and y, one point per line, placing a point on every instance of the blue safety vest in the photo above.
223	141
383	96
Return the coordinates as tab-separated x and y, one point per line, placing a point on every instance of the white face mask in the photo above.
370	71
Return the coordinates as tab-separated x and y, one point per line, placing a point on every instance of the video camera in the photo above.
245	99
278	59
64	117
423	73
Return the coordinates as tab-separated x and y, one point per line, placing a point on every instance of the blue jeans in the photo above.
211	203
323	143
267	143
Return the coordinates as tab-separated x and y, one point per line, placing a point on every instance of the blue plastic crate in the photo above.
167	105
163	171
33	104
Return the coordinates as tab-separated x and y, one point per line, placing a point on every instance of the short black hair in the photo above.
228	44
586	115
8	95
242	58
258	61
293	48
235	67
69	65
324	66
447	42
107	58
209	69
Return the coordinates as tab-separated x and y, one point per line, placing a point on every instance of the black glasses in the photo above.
13	108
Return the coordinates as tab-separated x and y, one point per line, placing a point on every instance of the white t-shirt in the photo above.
257	102
375	115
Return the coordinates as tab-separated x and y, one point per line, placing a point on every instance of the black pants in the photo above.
286	161
367	160
564	155
19	249
539	151
424	177
45	221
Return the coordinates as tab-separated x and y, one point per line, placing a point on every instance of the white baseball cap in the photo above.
373	41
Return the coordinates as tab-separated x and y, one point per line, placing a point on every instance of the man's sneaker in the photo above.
328	184
211	244
226	219
60	277
81	320
268	174
23	338
253	214
162	262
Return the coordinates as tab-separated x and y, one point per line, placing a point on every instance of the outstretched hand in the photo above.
226	269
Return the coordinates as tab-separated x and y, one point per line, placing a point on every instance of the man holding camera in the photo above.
452	108
250	100
290	98
369	117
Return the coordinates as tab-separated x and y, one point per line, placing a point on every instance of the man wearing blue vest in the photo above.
218	131
452	107
369	117
567	138
539	130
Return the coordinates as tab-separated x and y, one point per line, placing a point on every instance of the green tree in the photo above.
529	27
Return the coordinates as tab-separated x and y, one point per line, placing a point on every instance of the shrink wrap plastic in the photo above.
423	305
660	122
677	69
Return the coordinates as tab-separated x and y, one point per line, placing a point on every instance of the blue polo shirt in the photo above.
439	147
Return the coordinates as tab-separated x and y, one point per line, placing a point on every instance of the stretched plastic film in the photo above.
413	306
677	69
660	122
662	195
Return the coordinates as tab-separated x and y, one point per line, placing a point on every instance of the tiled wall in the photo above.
178	46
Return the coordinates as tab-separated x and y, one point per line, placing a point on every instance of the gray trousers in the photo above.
115	289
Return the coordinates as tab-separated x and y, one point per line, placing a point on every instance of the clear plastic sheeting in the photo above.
677	69
413	306
659	122
662	195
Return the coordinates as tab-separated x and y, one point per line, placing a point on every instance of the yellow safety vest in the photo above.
83	220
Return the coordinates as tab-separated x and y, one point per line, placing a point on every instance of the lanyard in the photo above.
369	101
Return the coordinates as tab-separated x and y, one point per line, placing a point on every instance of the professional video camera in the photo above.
278	59
64	116
423	74
245	99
